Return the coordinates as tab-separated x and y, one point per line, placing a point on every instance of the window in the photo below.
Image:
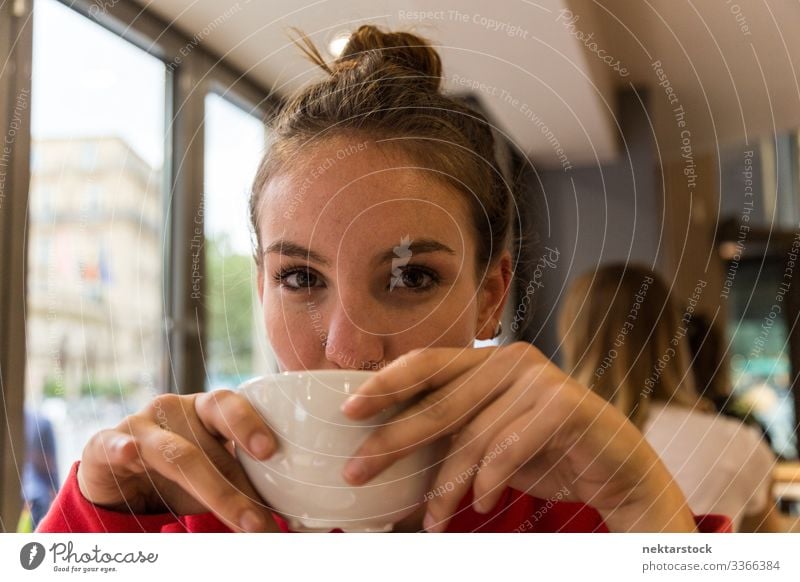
759	322
92	199
88	155
235	348
95	246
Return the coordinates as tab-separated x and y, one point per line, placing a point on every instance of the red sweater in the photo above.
71	512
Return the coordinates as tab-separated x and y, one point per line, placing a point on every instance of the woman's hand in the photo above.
517	421
176	455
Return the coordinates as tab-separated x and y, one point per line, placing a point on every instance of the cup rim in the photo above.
301	374
322	371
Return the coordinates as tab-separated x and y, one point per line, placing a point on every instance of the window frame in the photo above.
189	77
15	52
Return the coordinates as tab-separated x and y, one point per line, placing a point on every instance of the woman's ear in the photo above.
492	296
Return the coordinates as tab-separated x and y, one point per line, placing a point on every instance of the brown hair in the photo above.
386	86
709	359
624	339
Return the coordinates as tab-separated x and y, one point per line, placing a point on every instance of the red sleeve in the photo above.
575	517
72	512
713	523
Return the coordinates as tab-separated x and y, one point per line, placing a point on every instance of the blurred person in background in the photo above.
623	337
40	473
711	371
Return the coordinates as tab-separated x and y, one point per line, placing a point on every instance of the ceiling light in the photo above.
336	46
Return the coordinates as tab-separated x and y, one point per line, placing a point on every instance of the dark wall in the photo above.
733	182
588	216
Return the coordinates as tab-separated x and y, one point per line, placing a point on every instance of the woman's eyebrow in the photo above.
291	249
415	247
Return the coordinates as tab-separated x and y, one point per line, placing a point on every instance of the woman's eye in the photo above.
413	279
296	279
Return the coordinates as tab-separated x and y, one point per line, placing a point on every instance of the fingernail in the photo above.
355	471
479	505
261	445
250	521
120	442
352	404
429	523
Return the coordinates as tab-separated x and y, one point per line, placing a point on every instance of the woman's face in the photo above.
366	258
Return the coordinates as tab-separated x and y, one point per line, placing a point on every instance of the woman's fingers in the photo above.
513	430
454	479
230	416
109	459
440	412
457	397
468	454
417	371
517	444
172	456
119	449
427	369
180	461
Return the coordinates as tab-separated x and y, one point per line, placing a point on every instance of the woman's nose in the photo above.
352	340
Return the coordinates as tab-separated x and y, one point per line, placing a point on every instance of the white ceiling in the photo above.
540	71
734	64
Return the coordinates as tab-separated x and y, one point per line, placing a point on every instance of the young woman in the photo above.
382	226
623	337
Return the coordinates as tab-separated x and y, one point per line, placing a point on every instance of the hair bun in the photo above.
402	49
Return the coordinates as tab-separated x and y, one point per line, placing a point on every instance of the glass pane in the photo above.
94	308
235	348
761	372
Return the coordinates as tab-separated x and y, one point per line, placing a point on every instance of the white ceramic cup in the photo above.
303	480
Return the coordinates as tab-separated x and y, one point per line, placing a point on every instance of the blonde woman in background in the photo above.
623	338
